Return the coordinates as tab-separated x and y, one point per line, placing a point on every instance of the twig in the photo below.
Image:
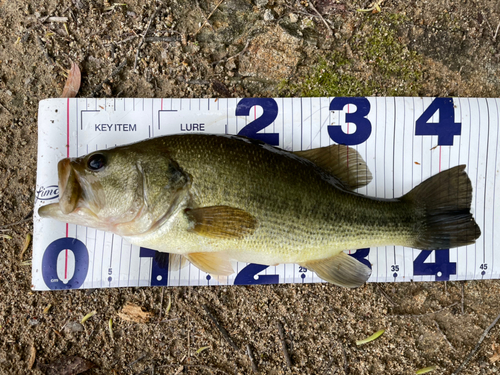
283	344
476	348
252	360
108	79
203	14
144	35
222	330
16	223
462	297
152	39
239	53
4	107
161	303
44	50
386	296
496	32
57	19
344	357
189	337
424	314
446	338
194	366
234	56
137	360
330	31
206	20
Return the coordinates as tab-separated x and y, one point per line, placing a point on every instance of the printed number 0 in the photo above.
270	113
49	263
363	125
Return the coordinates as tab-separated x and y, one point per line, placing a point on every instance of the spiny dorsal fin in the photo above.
341	269
221	222
212	263
341	161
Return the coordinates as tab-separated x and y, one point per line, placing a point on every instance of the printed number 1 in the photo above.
159	274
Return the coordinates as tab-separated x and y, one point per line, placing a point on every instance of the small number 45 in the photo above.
484	266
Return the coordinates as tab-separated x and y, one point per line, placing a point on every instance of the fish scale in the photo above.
276	188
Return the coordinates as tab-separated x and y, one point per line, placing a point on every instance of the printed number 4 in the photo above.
445	128
442	268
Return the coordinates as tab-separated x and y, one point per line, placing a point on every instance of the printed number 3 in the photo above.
363	125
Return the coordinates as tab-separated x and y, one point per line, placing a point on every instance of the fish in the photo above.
217	199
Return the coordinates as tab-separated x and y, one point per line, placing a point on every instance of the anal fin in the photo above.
341	269
215	263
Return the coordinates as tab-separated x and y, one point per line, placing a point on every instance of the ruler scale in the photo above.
403	141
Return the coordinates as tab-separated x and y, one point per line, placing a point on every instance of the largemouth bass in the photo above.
217	199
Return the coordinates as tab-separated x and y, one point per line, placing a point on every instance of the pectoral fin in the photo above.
212	263
341	269
341	161
221	222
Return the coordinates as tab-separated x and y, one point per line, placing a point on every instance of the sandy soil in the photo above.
261	48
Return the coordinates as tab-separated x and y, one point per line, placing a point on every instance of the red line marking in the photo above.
67	153
439	158
67	128
348	146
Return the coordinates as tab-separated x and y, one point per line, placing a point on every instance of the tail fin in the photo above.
443	204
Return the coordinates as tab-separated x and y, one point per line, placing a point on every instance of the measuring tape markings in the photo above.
439	261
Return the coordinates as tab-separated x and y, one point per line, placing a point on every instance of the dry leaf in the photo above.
134	313
72	83
496	353
31	361
72	365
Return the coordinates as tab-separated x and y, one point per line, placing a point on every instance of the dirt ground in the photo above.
246	48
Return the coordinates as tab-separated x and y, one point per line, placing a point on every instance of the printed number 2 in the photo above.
442	268
270	113
445	128
248	276
363	125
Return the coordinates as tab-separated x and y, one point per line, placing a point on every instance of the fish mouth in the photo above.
70	190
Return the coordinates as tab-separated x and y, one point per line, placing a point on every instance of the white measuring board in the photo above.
403	140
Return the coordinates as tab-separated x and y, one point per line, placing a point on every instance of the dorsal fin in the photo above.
341	161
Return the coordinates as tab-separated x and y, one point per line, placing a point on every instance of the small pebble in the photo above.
33	322
74	327
293	17
268	15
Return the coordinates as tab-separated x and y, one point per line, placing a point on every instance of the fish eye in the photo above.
96	162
